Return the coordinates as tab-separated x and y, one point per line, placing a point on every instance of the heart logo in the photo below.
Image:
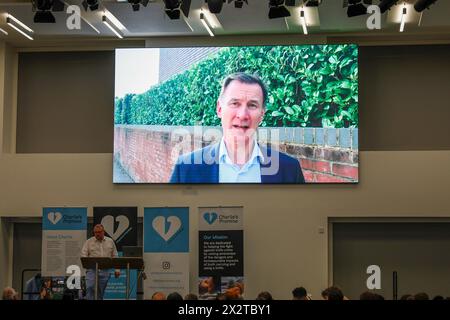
108	223
54	217
210	217
159	224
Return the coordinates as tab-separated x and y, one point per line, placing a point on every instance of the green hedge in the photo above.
309	86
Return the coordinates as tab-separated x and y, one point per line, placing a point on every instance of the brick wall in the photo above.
148	153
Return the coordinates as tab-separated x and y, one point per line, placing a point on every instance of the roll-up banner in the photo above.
166	250
120	224
221	252
63	236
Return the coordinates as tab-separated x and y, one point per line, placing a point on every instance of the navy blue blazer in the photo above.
202	166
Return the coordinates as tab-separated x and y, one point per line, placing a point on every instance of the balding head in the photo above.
158	296
99	232
9	294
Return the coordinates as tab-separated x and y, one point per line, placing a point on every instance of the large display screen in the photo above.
255	114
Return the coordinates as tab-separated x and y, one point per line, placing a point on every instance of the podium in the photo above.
127	263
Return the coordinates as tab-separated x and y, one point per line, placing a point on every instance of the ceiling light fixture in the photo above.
303	22
3	31
112	26
215	6
174	8
90	4
403	19
277	9
238	3
356	7
385	5
19	26
205	23
44	8
136	4
312	3
421	5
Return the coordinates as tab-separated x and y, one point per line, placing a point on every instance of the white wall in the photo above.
283	247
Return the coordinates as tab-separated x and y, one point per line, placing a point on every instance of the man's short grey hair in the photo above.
9	294
247	79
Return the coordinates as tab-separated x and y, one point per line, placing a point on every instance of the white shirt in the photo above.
248	173
95	248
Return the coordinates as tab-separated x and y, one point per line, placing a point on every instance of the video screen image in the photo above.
255	114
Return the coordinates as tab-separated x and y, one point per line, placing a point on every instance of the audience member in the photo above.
265	295
46	289
300	293
368	295
421	296
158	296
174	296
333	294
191	296
9	294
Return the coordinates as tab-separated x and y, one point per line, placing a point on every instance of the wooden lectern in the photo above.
97	263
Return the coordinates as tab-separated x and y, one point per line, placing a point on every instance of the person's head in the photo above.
9	294
265	295
299	294
421	296
241	106
207	285
174	296
99	232
233	293
368	295
407	297
47	282
221	296
158	296
333	294
191	296
436	298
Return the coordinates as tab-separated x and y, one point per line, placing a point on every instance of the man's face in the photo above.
241	109
99	233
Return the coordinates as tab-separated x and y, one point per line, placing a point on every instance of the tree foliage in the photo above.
308	86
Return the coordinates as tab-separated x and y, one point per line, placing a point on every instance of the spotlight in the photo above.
385	5
44	10
421	5
356	7
136	4
44	17
90	4
277	9
173	8
312	3
215	6
238	3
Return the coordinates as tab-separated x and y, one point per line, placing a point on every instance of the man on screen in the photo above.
98	246
238	158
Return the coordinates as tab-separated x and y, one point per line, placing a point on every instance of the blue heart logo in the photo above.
210	217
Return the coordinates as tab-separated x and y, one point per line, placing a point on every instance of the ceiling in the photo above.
151	21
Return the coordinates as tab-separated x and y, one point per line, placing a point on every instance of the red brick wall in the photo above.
146	155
